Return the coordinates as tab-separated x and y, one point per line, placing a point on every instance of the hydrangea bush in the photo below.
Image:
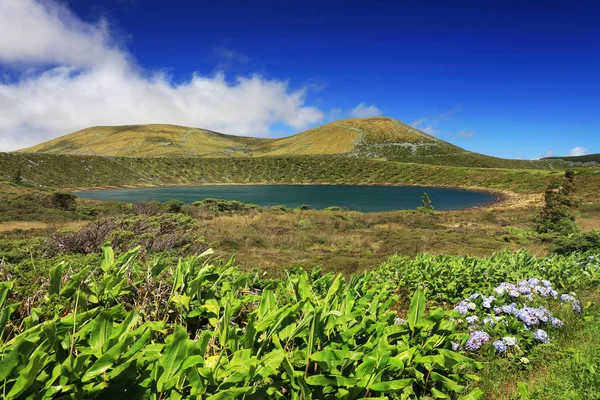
514	318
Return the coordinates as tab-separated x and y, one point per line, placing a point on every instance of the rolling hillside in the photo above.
379	138
148	141
586	158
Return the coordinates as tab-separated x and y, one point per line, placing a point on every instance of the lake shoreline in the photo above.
501	197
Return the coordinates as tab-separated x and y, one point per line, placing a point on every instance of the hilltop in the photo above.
379	138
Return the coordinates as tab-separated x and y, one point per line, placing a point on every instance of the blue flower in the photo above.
557	322
546	283
524	289
533	281
462	307
472	319
455	346
541	336
500	346
476	340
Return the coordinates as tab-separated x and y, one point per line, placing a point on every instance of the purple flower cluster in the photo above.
570	298
512	301
541	336
500	346
465	306
476	340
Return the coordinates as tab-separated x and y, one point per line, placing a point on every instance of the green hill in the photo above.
585	159
379	138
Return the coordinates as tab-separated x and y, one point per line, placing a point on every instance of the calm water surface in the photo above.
359	198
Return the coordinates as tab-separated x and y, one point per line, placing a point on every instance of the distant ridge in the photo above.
370	138
586	159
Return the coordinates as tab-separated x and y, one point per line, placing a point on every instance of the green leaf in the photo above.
523	388
269	363
55	279
474	395
105	362
172	358
28	374
389	386
447	383
417	308
229	394
336	355
331	380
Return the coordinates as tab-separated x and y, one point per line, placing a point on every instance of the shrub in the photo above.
173	206
220	205
147	208
280	208
16	178
581	242
426	202
63	200
335	208
556	215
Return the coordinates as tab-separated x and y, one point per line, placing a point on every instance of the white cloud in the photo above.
464	134
578	151
549	153
418	123
364	111
429	125
430	130
92	81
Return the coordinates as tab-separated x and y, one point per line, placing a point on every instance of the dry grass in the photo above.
352	241
34	225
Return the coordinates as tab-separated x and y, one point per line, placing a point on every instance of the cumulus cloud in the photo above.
364	111
578	151
85	78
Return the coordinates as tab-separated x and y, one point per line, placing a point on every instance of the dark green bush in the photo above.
220	205
63	200
173	206
580	242
556	215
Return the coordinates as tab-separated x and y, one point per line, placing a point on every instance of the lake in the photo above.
358	198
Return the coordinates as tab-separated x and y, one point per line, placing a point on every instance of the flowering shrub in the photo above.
512	320
450	279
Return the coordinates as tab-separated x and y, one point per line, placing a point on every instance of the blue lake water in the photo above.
359	198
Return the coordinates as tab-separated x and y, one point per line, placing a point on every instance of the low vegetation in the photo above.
194	328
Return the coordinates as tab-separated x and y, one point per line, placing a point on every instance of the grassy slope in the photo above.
72	171
371	138
148	141
586	158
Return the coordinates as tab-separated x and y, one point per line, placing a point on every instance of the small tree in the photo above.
556	215
426	202
16	177
63	200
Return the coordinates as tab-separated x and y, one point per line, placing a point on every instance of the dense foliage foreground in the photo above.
422	327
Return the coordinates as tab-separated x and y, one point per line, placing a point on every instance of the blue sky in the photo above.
507	78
